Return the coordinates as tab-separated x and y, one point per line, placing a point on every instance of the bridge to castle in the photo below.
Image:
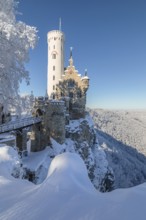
19	126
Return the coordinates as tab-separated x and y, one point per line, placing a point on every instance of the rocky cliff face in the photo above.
80	139
85	143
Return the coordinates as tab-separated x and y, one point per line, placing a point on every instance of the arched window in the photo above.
53	56
39	112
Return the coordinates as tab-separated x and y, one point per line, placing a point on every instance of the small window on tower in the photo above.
54	56
53	68
54	47
53	77
53	87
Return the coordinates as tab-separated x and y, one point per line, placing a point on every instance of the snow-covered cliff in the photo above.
80	139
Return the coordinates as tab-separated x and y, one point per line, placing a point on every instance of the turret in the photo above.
85	80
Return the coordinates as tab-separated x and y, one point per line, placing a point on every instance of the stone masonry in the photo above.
52	113
73	86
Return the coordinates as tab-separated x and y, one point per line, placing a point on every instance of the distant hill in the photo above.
121	135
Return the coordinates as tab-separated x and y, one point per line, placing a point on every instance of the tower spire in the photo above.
71	48
71	59
85	72
59	24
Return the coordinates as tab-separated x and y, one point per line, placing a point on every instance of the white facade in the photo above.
55	60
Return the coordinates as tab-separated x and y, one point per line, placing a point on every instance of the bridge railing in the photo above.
19	123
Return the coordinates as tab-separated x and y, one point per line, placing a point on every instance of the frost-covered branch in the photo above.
16	38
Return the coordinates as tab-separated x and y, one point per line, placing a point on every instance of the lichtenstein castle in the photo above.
66	95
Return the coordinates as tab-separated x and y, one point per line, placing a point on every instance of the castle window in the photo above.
53	68
54	47
55	38
53	87
71	83
53	77
71	95
54	56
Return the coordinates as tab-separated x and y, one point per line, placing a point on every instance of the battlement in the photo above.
56	102
44	100
55	32
55	35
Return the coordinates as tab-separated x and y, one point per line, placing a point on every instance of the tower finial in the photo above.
71	59
59	24
85	72
71	48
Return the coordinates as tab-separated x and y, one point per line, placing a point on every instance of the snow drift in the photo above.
67	193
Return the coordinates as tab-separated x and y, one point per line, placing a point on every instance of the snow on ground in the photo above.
66	193
74	125
6	137
35	160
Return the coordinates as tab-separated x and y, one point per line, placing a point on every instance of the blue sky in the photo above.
109	39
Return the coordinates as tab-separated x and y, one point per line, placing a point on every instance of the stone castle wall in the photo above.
53	123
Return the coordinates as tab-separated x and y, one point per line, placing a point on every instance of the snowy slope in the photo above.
121	135
129	127
67	193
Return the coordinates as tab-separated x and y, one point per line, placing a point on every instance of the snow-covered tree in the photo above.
27	101
16	38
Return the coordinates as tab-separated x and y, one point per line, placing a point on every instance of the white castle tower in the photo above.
55	60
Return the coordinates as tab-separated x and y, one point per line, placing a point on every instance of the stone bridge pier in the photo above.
21	142
40	137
